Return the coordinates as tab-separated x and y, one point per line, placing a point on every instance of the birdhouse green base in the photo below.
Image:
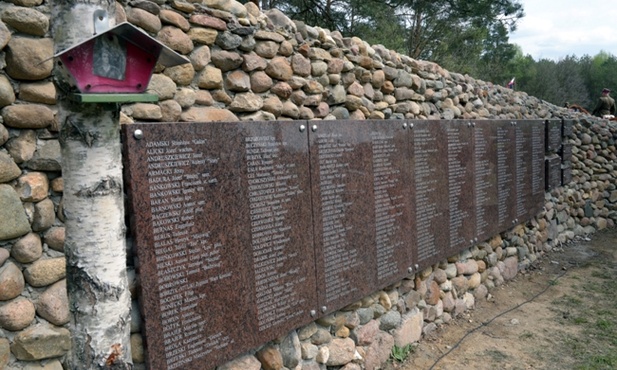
114	98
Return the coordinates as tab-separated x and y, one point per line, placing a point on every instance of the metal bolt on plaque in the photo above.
404	125
324	308
313	313
314	128
302	128
138	134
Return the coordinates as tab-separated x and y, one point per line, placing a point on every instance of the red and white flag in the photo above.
511	83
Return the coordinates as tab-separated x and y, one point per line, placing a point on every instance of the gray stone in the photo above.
47	157
7	95
246	362
44	215
291	350
162	86
4	255
8	169
203	114
41	342
5	352
27	249
32	187
182	74
15	222
175	39
11	281
137	348
321	336
410	330
23	147
390	320
4	135
29	59
28	116
53	304
379	351
341	350
45	272
26	20
144	19
16	314
228	41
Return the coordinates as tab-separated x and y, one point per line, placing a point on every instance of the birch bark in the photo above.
93	206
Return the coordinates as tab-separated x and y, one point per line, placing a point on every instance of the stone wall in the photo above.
247	65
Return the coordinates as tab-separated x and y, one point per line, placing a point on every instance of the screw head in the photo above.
405	125
313	313
314	128
138	134
302	128
324	308
410	269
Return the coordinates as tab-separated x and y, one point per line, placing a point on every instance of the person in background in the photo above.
605	106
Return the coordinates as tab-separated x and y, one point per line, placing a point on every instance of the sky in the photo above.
553	29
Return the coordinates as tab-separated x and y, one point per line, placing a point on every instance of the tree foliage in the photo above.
465	36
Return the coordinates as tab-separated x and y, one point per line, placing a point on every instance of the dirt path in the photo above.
562	314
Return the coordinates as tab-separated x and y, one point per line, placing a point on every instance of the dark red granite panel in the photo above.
529	180
460	185
430	164
485	173
566	152
553	171
221	219
394	221
344	211
506	174
566	173
553	134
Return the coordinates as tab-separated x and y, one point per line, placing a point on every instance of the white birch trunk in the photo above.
95	246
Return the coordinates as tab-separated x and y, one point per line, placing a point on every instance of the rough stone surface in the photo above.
15	222
26	20
246	362
29	59
16	314
53	304
27	249
28	116
5	352
41	342
8	168
45	272
12	281
341	351
410	330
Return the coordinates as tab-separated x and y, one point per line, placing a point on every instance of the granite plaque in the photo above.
529	168
553	134
430	164
461	181
566	152
485	176
506	174
344	211
566	173
553	171
218	208
394	222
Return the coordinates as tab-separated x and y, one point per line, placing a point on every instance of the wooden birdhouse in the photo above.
116	65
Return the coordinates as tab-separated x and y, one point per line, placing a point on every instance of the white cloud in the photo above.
553	29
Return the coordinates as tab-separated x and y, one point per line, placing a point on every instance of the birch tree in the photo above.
93	206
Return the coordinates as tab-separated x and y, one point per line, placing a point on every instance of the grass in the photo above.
593	308
400	354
